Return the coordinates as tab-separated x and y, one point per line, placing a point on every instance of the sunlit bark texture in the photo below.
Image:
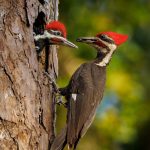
26	97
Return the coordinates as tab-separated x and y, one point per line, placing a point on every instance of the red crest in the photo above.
118	38
56	25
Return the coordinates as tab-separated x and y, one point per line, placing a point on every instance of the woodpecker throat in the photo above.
104	55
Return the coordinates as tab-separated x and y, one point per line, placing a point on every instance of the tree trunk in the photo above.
27	110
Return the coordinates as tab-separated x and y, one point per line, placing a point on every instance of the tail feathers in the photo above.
60	140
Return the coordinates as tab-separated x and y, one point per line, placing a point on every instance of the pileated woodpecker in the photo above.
54	34
85	89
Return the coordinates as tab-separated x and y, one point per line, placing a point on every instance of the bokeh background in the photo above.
123	118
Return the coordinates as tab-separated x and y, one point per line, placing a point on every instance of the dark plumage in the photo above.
85	82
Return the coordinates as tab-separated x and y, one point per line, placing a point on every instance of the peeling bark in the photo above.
27	110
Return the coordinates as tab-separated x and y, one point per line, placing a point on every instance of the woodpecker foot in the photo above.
53	82
59	100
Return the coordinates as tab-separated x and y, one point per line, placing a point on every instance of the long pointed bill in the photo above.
88	40
62	41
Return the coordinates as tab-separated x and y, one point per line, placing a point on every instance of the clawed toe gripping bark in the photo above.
56	90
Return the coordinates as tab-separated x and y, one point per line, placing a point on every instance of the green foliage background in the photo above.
123	118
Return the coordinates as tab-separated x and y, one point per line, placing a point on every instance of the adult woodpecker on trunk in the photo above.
85	89
54	34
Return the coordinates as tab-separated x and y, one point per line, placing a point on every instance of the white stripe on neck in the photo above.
107	58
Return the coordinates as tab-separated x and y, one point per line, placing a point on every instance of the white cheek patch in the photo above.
104	50
43	36
107	58
74	96
112	46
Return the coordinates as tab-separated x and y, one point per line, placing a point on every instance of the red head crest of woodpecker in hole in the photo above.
58	26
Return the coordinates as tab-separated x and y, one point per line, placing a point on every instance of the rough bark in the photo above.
26	97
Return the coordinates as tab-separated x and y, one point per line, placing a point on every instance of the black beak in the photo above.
88	40
63	41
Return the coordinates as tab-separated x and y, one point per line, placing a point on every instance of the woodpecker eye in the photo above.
58	33
54	32
106	38
103	37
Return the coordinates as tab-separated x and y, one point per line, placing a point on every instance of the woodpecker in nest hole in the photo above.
85	89
54	34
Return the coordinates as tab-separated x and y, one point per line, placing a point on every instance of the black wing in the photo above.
82	110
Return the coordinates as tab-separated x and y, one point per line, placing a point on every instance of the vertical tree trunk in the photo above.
26	97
